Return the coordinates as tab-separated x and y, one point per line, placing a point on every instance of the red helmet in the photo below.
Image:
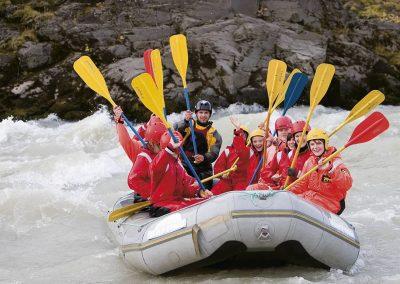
153	119
283	122
154	130
299	125
165	138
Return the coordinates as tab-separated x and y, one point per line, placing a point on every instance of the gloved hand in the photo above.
225	176
293	172
118	114
174	145
276	177
205	193
322	167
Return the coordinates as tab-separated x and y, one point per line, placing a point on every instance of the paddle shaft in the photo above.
185	158
231	169
296	154
326	160
144	144
193	135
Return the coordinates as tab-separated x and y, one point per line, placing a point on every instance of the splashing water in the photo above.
57	180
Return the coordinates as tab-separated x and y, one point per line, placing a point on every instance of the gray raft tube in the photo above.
257	228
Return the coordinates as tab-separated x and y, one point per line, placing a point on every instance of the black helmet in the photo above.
203	105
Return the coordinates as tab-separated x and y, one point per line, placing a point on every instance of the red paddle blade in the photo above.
369	128
147	62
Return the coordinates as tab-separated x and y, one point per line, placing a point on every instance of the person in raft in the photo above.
207	138
304	153
273	174
139	176
130	145
237	179
255	150
327	186
171	186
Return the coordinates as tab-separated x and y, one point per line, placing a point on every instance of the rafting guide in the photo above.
303	175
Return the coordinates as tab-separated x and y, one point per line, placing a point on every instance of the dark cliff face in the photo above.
230	44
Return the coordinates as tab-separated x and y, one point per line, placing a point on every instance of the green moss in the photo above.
385	10
16	42
392	56
28	16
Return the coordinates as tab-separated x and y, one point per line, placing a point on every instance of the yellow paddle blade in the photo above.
127	210
90	74
282	92
369	102
158	72
179	55
275	78
146	90
320	84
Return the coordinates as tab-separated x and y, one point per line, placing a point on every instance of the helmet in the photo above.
283	122
299	125
154	130
245	129
254	133
318	134
165	138
203	105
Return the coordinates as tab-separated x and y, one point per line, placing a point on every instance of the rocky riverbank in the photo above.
230	44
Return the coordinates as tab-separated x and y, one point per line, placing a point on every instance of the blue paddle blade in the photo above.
293	93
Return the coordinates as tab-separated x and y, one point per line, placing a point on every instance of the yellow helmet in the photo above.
318	134
245	129
254	133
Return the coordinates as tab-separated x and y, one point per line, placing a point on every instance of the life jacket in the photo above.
237	180
301	158
170	184
139	176
325	187
278	165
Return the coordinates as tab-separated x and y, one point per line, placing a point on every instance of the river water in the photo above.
57	180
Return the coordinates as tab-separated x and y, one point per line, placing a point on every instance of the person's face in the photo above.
153	147
203	116
291	144
317	147
258	143
283	133
297	136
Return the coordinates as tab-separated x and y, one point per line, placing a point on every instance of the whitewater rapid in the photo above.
57	180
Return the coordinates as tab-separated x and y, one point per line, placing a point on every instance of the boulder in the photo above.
34	55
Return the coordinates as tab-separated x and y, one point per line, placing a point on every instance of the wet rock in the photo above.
34	55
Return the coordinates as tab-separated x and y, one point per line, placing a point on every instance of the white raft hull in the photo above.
261	221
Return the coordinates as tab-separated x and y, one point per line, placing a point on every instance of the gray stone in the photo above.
34	55
123	71
119	51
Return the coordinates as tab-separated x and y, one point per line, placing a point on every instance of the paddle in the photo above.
231	169
91	75
148	66
319	87
275	80
369	128
146	89
295	86
136	207
127	210
285	87
180	57
369	102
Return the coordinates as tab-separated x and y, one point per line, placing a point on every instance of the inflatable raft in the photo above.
250	225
